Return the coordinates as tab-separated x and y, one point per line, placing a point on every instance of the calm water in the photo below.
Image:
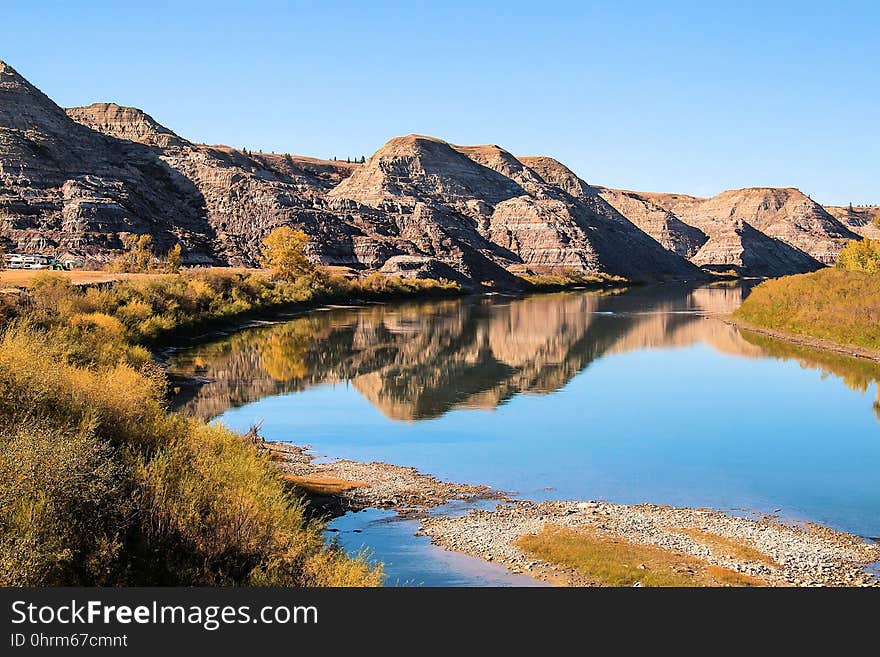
644	395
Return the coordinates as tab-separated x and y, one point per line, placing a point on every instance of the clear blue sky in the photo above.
675	96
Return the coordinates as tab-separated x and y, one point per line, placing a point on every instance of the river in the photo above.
642	395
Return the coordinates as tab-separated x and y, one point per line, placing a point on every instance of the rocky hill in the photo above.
66	187
861	219
482	200
758	231
242	196
80	180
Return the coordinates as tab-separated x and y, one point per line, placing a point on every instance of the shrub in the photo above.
63	506
284	251
568	278
154	309
100	485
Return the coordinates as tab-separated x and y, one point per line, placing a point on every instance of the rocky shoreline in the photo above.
797	555
791	554
378	485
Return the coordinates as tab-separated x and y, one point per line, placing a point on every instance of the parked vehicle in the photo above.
33	261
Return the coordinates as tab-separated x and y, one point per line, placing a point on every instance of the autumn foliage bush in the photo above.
862	255
101	485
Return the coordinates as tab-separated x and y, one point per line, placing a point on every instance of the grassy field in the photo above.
830	304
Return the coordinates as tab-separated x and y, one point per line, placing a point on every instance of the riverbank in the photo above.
696	545
105	487
834	309
771	552
807	341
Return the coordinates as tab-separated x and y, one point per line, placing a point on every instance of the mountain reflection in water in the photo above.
417	361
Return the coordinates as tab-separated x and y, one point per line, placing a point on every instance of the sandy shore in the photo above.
792	554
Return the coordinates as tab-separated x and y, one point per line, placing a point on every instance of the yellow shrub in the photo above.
134	312
100	485
106	324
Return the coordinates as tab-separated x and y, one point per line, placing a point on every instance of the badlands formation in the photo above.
79	180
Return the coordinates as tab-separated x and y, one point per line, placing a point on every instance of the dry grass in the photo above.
613	561
727	547
316	485
26	277
831	304
100	485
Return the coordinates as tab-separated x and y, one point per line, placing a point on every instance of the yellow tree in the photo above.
862	255
172	260
139	253
284	251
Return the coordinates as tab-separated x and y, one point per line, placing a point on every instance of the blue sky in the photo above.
675	96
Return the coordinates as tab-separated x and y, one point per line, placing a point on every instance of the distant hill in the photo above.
861	219
760	231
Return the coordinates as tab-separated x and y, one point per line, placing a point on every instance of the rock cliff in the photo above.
65	187
484	200
242	196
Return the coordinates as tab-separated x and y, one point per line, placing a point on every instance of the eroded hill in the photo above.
80	180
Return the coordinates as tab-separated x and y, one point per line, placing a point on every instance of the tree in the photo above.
288	158
144	252
363	159
172	260
2	253
284	251
861	255
139	255
348	160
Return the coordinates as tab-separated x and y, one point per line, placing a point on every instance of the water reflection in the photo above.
418	361
857	373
